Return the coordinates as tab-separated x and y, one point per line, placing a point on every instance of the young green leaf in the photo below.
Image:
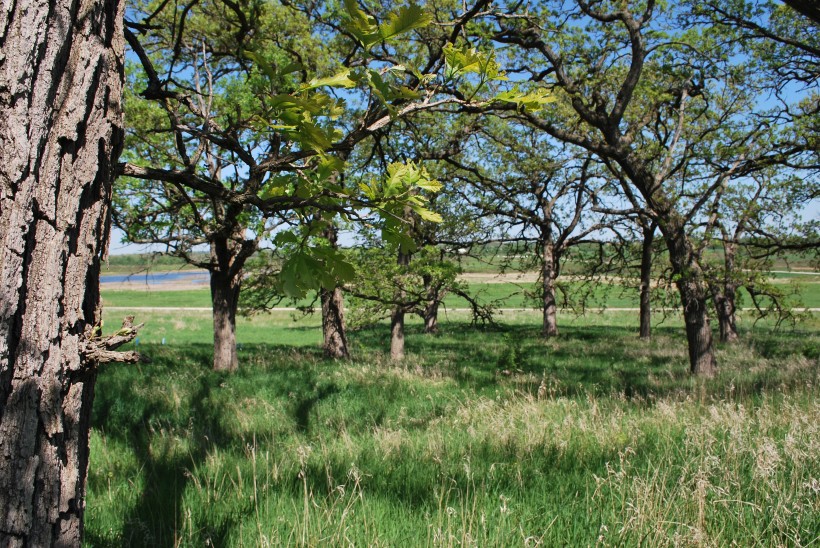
340	80
532	101
406	19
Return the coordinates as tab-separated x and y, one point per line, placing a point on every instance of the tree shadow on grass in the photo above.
137	408
144	425
597	360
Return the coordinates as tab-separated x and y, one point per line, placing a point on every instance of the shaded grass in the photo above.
485	437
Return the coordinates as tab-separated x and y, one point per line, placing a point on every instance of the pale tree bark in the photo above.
646	281
397	334
397	318
61	71
333	316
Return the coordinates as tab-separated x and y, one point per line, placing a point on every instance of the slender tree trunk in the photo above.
397	334
431	307
397	318
694	295
549	274
726	307
646	281
431	317
60	137
333	324
333	318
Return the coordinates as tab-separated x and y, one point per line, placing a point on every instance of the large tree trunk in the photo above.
397	318
225	298
333	317
694	295
702	360
60	137
226	282
646	282
549	273
333	324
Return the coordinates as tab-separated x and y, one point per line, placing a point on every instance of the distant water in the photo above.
153	278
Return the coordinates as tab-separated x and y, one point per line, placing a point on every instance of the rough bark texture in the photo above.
549	273
699	336
694	297
646	282
225	298
333	313
333	324
225	285
60	135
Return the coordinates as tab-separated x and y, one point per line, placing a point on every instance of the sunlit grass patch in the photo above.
486	437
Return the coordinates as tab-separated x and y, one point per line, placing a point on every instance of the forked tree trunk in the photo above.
333	316
725	310
225	300
333	324
548	277
725	300
60	137
397	318
646	282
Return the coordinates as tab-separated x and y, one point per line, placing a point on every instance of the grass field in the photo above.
806	293
486	437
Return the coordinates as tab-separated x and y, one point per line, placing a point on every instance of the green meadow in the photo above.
803	291
482	437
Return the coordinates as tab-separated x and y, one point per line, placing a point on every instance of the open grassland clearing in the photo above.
517	292
487	437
